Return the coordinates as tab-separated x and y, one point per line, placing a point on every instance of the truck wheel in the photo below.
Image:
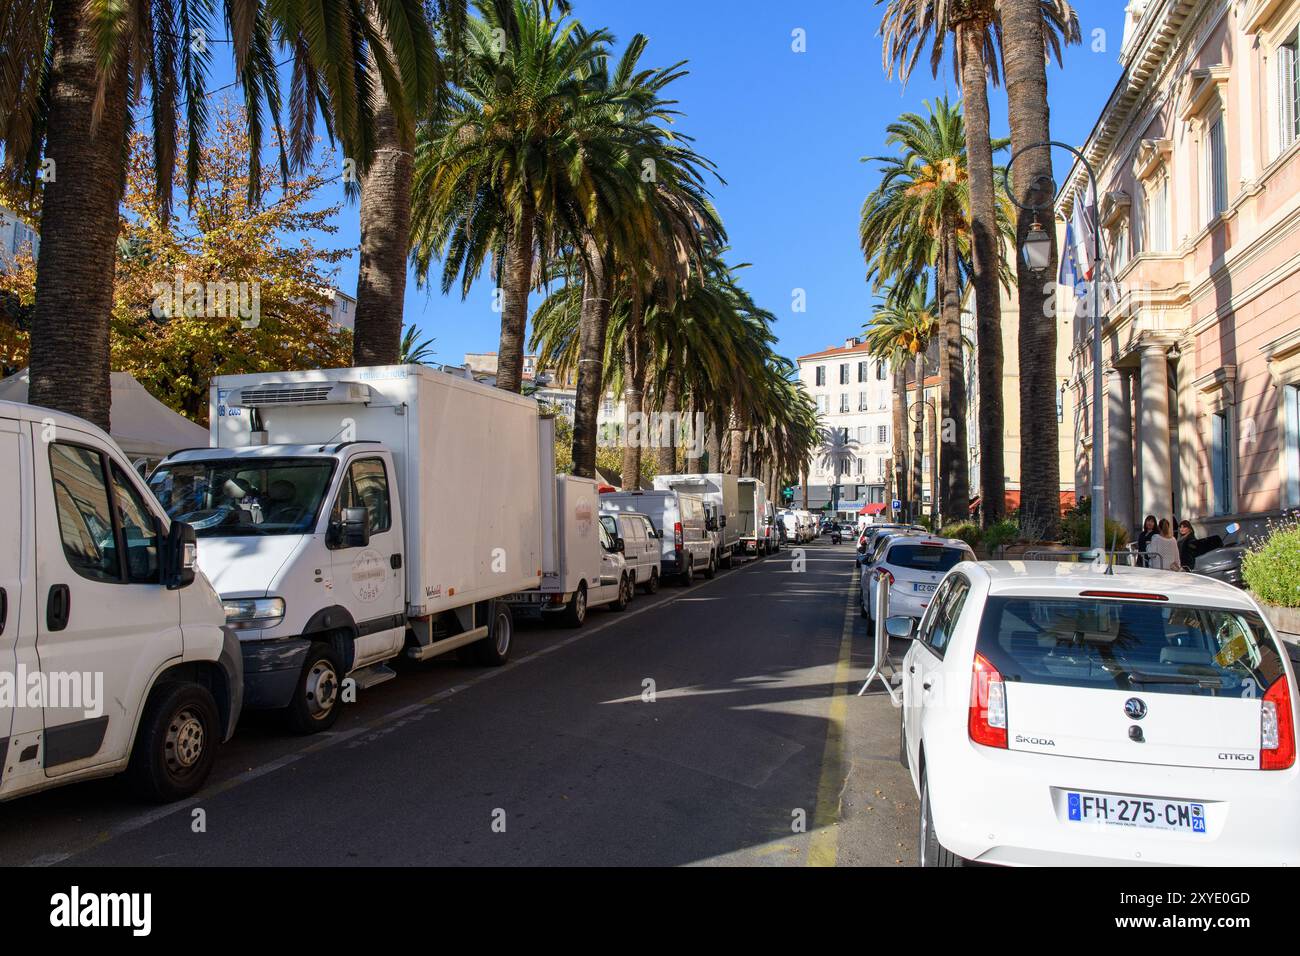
687	577
712	569
176	744
652	585
729	559
624	595
494	650
575	612
315	703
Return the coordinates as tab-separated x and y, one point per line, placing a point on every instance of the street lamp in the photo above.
1037	253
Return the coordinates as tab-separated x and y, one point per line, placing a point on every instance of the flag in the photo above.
1069	273
1082	222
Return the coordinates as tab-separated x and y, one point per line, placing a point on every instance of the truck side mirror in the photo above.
723	520
710	524
355	530
180	554
620	545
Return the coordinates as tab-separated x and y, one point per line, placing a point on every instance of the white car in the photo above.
1056	714
640	546
914	565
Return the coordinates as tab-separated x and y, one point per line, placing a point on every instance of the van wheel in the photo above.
624	594
687	577
494	650
575	612
712	569
929	850
176	743
652	585
315	703
902	741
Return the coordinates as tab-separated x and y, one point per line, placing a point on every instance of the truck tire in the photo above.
575	612
929	851
315	703
729	559
624	598
687	577
651	585
712	569
494	650
176	743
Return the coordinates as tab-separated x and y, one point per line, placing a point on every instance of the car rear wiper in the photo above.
1138	677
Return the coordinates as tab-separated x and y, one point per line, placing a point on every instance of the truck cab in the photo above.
100	604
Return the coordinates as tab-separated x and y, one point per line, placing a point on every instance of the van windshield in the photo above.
1129	645
241	496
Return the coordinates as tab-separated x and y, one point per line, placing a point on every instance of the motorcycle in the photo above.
1220	559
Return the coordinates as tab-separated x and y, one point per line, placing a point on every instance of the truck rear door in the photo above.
16	522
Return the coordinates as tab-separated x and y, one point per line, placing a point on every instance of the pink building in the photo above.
1198	157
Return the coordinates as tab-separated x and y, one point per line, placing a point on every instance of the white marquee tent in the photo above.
143	426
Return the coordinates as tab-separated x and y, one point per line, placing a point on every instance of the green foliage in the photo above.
1076	528
966	531
1000	534
1272	568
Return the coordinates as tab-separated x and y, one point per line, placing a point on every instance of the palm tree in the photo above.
835	454
413	352
1031	31
72	70
519	151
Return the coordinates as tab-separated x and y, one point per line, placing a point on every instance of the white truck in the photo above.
582	563
722	496
102	611
753	515
348	515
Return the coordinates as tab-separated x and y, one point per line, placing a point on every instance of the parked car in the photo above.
914	565
99	595
1055	714
686	548
336	550
641	548
868	535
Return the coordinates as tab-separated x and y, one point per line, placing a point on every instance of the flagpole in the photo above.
1098	417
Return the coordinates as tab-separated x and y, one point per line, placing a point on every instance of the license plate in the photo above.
924	588
1141	813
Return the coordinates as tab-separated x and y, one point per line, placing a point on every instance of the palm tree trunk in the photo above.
695	465
939	459
956	507
634	373
516	278
69	359
1025	69
918	440
668	407
385	240
714	448
736	461
591	359
900	433
985	256
803	481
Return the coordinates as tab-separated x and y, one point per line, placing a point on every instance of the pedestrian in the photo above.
1165	547
1188	545
1149	531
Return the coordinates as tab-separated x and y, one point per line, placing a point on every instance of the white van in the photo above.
721	496
685	545
753	516
640	546
101	607
348	515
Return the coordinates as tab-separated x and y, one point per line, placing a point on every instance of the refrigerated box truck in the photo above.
346	516
753	515
721	495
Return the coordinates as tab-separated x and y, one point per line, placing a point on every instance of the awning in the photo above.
872	509
1012	502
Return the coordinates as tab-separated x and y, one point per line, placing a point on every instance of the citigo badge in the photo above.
582	514
368	576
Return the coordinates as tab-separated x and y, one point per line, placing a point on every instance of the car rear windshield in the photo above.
1129	645
925	557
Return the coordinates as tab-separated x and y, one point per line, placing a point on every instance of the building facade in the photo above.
1198	157
853	392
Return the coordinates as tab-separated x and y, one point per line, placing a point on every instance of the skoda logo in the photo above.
1135	708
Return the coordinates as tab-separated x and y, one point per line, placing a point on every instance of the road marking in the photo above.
333	738
824	843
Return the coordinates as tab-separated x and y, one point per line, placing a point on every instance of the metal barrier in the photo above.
1124	557
881	662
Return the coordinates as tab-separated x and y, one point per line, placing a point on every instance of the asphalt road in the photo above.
709	725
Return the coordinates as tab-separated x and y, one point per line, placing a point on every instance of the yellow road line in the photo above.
824	843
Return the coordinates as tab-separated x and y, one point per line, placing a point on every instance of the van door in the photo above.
106	624
368	580
11	545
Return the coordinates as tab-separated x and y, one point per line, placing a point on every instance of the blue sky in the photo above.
786	131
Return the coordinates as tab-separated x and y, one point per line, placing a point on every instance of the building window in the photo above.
862	401
882	372
882	434
1288	93
862	371
1119	247
1291	446
844	373
821	374
1216	170
1157	215
844	402
857	465
862	434
823	404
1221	461
880	467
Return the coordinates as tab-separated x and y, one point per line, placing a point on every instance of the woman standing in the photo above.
1188	545
1149	531
1165	547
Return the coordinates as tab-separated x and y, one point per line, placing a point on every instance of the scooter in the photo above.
1220	559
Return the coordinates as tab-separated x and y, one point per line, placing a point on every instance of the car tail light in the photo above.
677	535
987	722
1276	727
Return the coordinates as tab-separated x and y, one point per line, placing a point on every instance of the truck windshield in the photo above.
241	496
